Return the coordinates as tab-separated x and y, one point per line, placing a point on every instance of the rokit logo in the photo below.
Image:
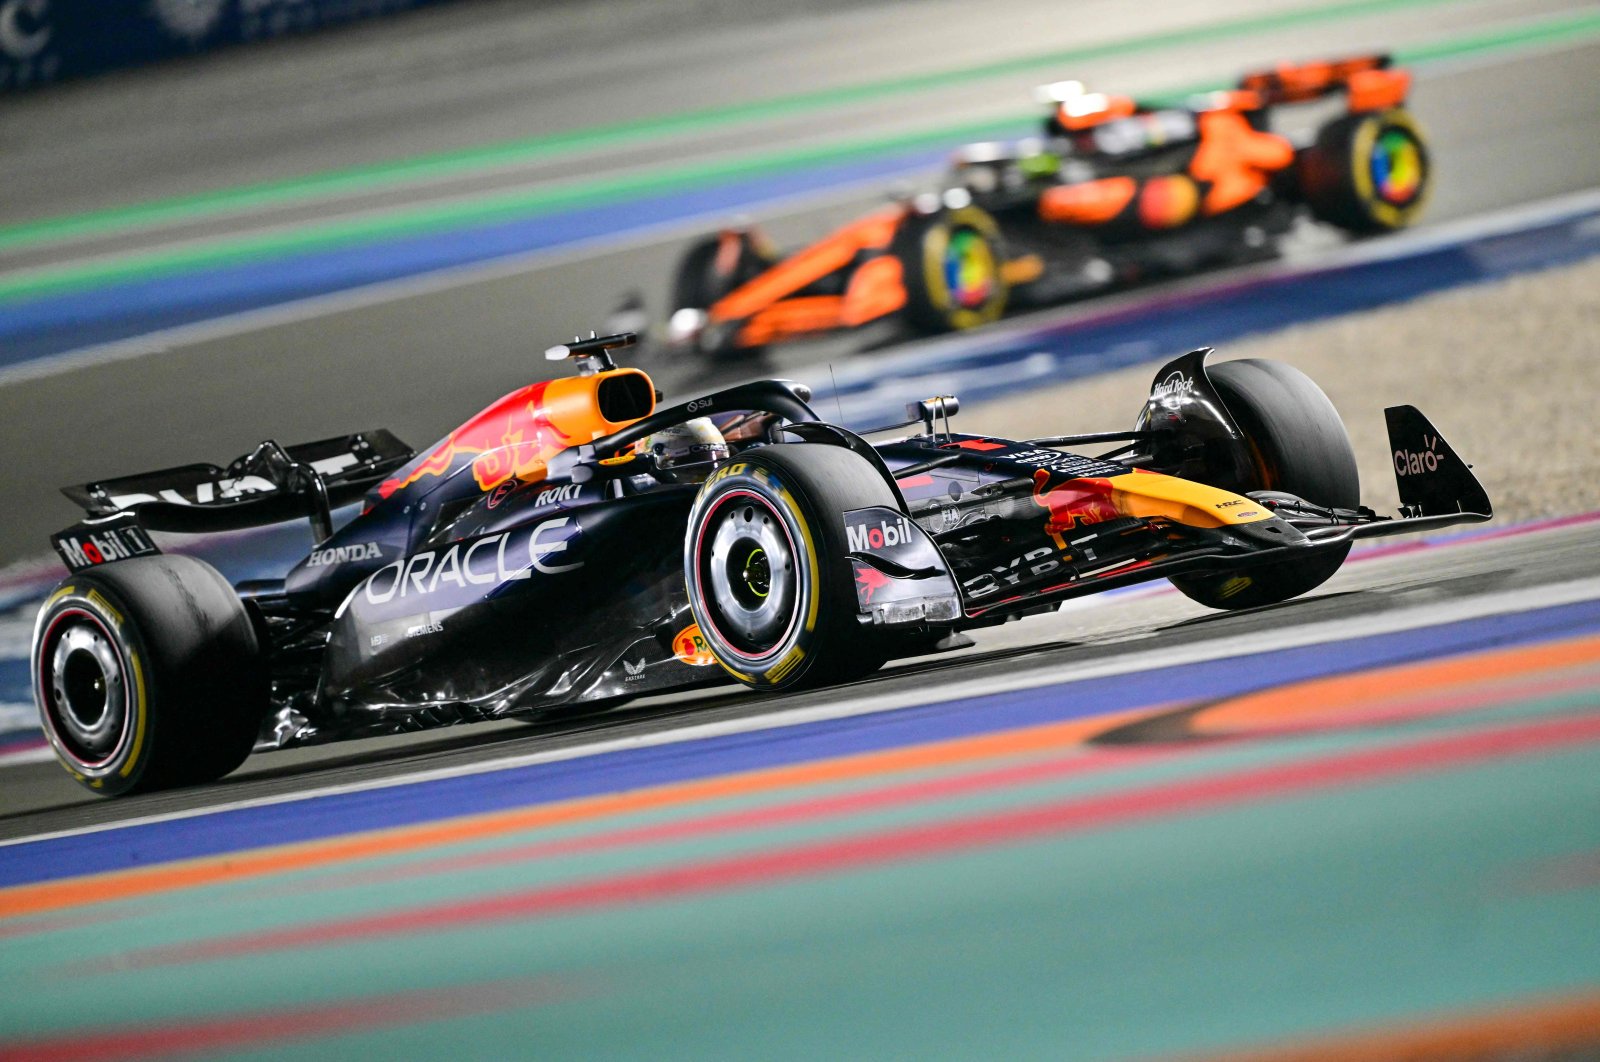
883	534
570	492
340	554
1417	463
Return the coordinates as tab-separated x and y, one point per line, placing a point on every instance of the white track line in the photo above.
1226	647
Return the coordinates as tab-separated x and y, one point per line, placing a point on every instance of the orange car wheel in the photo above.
953	263
1367	173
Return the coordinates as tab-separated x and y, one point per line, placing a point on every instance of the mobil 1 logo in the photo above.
81	548
876	530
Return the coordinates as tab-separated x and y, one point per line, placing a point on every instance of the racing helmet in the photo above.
687	452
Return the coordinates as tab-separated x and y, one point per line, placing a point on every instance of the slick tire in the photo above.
1367	173
1297	444
952	262
148	675
698	284
766	565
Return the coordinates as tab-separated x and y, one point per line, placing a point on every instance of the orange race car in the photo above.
1115	191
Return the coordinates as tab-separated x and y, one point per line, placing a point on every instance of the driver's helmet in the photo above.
687	452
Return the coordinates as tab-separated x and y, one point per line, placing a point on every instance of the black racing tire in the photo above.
952	264
1297	444
148	675
1367	173
698	284
765	562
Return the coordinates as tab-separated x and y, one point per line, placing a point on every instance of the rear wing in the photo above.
1369	81
270	484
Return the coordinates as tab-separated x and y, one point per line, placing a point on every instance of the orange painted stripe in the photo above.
1538	1030
1329	696
66	893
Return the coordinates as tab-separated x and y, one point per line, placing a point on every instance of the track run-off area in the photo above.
1362	824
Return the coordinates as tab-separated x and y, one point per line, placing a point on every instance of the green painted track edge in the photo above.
522	151
502	207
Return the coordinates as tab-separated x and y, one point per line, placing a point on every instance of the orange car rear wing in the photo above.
1369	80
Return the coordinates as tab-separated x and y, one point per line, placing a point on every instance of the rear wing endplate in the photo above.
1369	80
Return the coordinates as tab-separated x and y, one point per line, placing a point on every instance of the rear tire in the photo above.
1298	444
952	263
1367	173
698	284
765	562
148	675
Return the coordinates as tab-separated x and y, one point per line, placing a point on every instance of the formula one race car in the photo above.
1114	192
574	546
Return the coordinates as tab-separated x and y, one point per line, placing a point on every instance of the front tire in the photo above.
148	675
766	564
705	274
1297	444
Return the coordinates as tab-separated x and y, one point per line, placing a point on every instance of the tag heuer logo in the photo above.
189	19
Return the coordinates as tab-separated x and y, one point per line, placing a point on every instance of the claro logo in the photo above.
1409	463
482	562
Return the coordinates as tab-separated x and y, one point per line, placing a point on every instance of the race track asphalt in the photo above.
1384	819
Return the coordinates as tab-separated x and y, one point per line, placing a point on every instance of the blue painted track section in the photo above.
39	328
320	817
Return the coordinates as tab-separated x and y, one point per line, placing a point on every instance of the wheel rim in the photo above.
1396	165
83	687
747	574
969	269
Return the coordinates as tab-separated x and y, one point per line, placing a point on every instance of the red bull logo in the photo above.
514	438
1074	503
